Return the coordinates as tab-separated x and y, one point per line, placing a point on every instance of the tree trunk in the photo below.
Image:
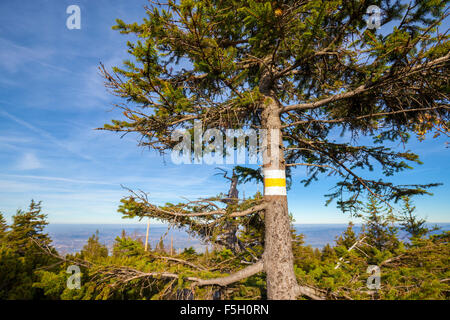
278	258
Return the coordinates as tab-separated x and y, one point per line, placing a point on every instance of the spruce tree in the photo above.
348	238
379	227
15	275
303	71
410	222
93	249
160	246
27	226
23	254
3	227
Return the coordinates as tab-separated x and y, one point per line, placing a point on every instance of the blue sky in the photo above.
52	98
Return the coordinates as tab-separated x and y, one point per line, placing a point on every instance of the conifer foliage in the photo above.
306	70
20	256
339	96
416	269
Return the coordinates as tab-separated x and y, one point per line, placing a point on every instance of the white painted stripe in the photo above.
275	191
278	174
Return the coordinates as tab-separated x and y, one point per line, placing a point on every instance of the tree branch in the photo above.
234	277
362	88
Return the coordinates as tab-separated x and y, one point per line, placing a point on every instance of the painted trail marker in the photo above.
274	182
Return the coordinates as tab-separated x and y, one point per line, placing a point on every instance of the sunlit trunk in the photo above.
278	257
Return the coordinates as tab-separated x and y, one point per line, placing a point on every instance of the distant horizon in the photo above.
70	238
162	224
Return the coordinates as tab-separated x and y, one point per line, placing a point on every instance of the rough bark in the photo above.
278	258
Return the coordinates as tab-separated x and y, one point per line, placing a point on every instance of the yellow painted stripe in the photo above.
275	182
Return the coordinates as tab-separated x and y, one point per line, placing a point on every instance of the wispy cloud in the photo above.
77	181
28	161
46	135
13	57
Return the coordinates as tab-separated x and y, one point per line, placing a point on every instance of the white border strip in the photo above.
277	174
275	191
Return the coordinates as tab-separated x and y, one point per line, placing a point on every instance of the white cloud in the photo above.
46	135
14	57
29	161
76	181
